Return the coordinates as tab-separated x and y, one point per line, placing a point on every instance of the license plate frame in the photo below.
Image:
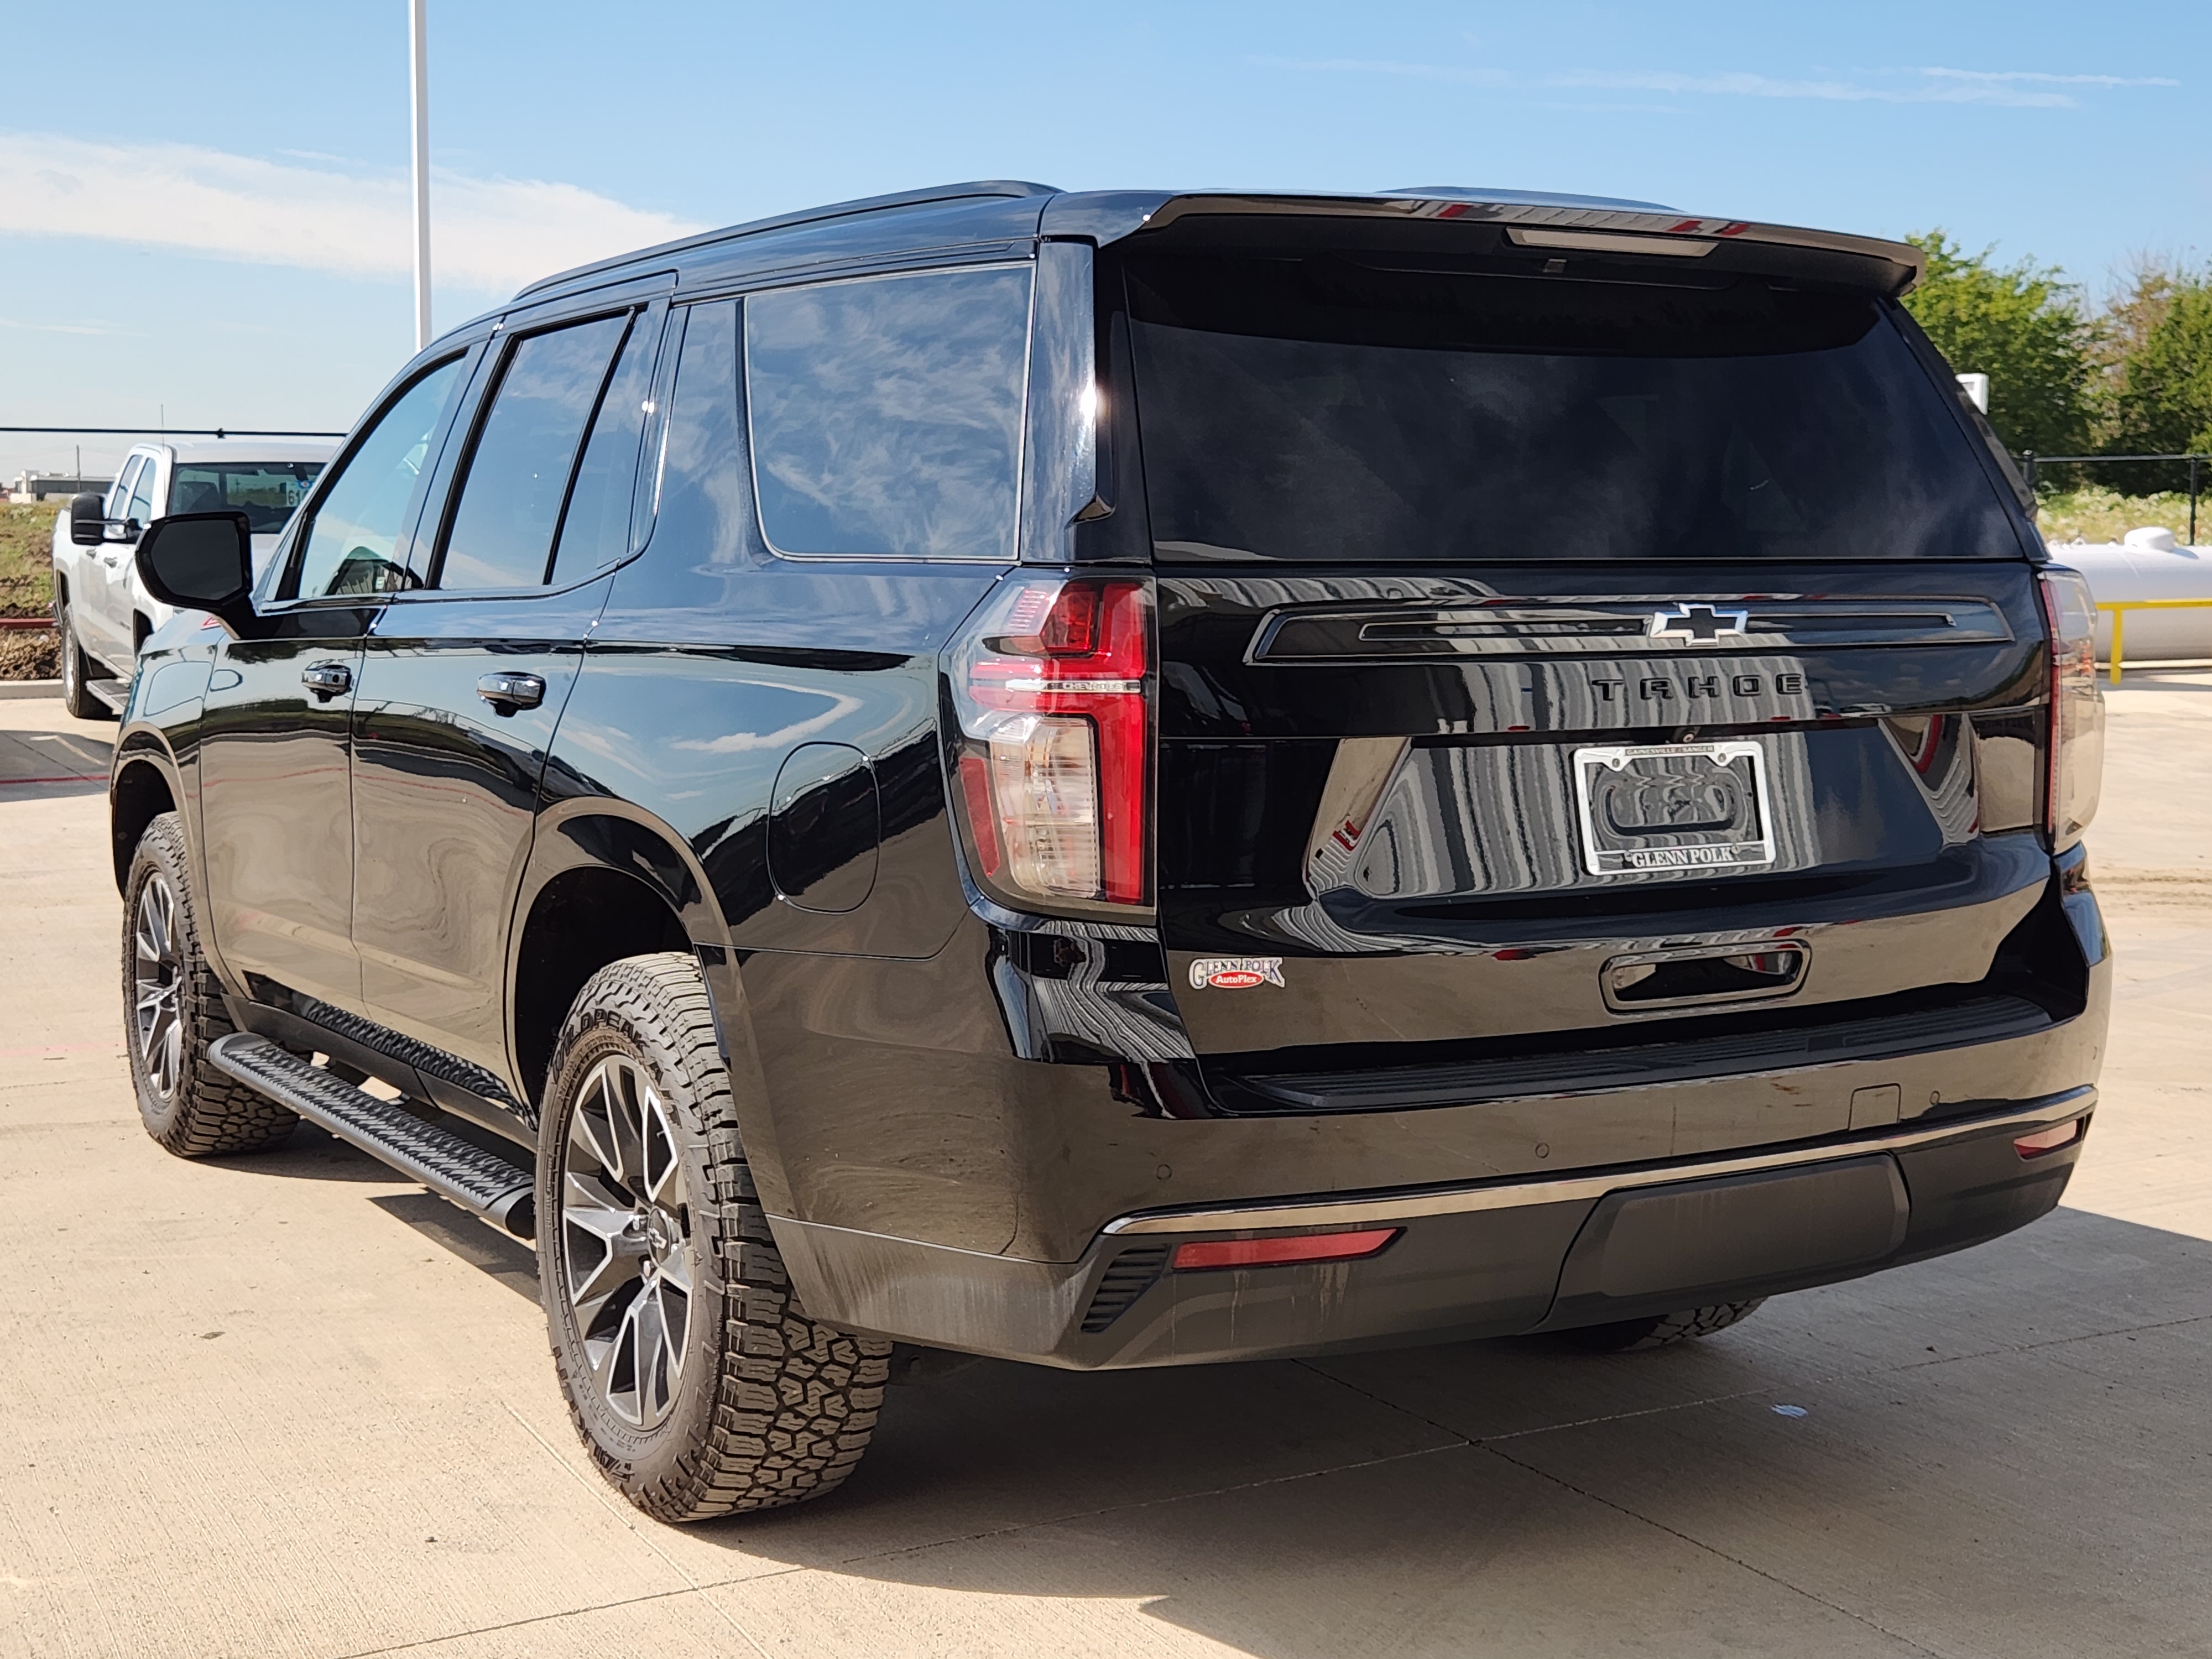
1707	788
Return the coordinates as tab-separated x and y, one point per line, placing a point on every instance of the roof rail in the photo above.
785	221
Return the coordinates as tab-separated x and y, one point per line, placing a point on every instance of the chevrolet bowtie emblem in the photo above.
1696	622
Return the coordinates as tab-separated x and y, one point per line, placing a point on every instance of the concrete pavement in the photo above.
292	1405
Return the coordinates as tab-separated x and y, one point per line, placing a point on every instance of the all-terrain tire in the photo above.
76	669
769	1406
203	1113
1663	1330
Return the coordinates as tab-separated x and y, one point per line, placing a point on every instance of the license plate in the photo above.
1674	806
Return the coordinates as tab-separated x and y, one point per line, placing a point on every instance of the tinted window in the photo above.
887	414
595	529
265	491
349	543
700	517
517	476
1321	409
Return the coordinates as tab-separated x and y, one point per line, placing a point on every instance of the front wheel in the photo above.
173	1009
699	1384
77	668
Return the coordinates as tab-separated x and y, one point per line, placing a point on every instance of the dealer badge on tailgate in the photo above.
1235	973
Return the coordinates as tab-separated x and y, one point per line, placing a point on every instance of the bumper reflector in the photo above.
1273	1252
2050	1139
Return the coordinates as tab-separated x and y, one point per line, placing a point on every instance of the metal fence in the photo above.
2031	461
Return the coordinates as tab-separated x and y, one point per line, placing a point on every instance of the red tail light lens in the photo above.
1055	767
2050	1139
2077	708
1274	1252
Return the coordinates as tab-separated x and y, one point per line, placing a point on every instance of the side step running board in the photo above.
484	1183
113	693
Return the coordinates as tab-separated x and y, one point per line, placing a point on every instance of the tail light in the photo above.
1055	754
2077	708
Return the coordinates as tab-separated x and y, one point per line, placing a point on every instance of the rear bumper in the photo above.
1477	1260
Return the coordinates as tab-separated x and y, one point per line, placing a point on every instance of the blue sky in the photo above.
202	211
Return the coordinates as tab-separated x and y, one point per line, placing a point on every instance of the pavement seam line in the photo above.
628	1517
1717	1553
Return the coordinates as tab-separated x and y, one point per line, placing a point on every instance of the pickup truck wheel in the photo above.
76	669
173	1009
1630	1335
699	1384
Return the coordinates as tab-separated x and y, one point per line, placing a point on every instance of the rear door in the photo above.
464	679
1556	666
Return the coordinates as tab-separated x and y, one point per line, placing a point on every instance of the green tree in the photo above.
2160	365
2024	326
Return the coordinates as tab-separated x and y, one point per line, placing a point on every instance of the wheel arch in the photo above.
606	880
144	786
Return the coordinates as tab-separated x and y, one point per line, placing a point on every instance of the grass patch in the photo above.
2092	514
27	556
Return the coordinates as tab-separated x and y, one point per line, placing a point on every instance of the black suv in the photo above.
1133	778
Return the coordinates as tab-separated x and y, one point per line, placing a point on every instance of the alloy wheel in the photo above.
626	1254
157	983
71	668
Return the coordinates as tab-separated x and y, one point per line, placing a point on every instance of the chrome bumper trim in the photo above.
1330	1211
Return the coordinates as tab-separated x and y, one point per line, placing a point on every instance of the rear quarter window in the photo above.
886	414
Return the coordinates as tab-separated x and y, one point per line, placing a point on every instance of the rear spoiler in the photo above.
1889	268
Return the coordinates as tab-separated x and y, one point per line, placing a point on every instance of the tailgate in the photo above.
1554	809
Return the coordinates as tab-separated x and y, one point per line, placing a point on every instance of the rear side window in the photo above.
1323	409
886	413
595	527
348	547
516	480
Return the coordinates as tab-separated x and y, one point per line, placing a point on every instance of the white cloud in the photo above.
2065	80
486	234
2010	89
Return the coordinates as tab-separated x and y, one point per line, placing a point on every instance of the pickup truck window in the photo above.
516	477
348	545
118	493
142	493
265	491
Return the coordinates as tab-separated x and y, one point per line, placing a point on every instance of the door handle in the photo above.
326	679
506	691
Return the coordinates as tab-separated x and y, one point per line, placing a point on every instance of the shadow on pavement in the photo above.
2002	1452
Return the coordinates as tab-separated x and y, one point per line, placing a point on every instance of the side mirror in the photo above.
87	528
201	562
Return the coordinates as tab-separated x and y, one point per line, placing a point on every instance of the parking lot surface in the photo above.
291	1404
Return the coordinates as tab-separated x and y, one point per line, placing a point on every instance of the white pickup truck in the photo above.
102	612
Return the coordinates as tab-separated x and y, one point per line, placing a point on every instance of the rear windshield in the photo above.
1321	409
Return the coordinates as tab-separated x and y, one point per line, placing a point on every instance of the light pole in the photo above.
418	49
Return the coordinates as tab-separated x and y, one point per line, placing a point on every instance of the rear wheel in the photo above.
172	1010
699	1384
1663	1329
77	668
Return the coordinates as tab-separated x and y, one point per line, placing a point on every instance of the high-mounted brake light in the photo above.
2077	708
1054	760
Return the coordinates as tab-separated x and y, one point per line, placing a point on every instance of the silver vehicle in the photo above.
102	611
